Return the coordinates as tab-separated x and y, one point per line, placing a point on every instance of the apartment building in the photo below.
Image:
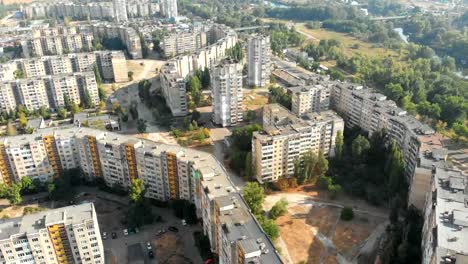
286	137
445	230
48	91
120	10
312	98
226	92
174	90
180	42
91	10
178	69
56	45
65	235
372	112
169	8
258	61
111	64
170	172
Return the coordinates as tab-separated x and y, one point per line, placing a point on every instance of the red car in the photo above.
209	261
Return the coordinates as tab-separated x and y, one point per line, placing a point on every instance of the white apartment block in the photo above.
120	10
65	235
111	64
56	44
169	8
91	10
258	61
181	42
177	70
286	137
373	112
313	98
226	91
170	172
48	91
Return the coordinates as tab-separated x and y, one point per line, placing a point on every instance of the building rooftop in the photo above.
451	213
29	224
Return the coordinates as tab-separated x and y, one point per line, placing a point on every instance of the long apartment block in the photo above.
48	91
92	10
180	42
56	44
65	235
101	30
177	70
286	137
371	111
169	172
112	65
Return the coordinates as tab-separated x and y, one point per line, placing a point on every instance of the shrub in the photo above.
280	208
334	190
347	214
324	182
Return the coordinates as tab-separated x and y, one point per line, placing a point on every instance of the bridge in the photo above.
250	28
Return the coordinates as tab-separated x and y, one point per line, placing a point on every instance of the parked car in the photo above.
184	223
125	232
104	235
148	246
150	254
173	229
114	235
160	232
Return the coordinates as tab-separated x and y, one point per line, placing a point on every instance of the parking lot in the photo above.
168	248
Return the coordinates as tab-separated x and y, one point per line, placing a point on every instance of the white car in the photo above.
104	235
125	232
148	246
184	223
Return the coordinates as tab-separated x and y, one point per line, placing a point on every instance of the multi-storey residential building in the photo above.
183	42
111	64
258	61
169	8
372	112
226	91
120	10
177	70
65	235
445	230
48	90
285	137
91	10
56	44
305	99
170	172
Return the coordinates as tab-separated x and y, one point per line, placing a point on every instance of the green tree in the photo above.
360	148
269	227
137	191
141	125
394	168
62	113
27	185
280	208
248	166
75	108
102	94
339	145
236	53
254	197
14	194
347	214
67	102
87	101
194	86
97	75
23	121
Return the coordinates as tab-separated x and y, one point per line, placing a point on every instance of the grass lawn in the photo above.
348	42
